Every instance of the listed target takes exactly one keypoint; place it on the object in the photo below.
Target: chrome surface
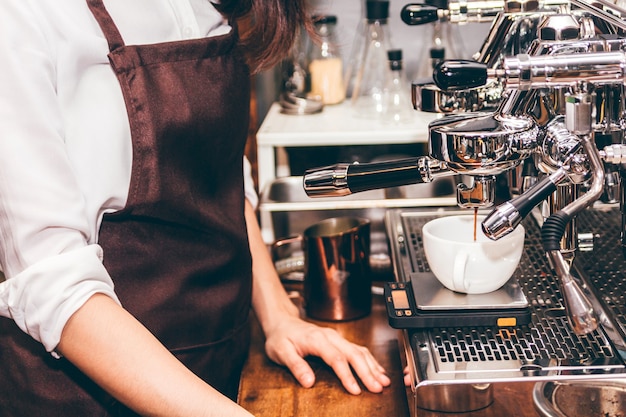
(455, 398)
(578, 308)
(426, 96)
(564, 195)
(545, 350)
(501, 221)
(431, 295)
(481, 193)
(332, 180)
(614, 154)
(531, 72)
(483, 144)
(344, 179)
(562, 75)
(611, 12)
(581, 399)
(507, 216)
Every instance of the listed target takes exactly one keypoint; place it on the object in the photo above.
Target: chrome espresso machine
(542, 104)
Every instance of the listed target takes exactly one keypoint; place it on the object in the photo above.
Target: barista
(129, 239)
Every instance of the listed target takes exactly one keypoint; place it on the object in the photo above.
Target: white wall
(411, 39)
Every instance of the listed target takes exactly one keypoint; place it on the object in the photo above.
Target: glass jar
(326, 67)
(397, 107)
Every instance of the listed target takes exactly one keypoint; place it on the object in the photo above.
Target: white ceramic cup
(467, 266)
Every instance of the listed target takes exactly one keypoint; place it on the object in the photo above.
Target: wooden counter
(269, 390)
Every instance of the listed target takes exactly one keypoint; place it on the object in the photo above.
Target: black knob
(459, 74)
(418, 14)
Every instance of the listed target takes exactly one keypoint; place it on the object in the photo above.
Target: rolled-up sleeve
(41, 298)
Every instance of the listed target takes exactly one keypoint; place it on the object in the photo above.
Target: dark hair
(268, 28)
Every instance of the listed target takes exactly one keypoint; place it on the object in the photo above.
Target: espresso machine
(541, 103)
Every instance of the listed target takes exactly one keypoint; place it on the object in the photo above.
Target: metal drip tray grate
(546, 347)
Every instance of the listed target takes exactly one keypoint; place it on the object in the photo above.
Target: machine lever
(505, 218)
(419, 14)
(460, 74)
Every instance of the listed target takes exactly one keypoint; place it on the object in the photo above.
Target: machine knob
(460, 74)
(419, 14)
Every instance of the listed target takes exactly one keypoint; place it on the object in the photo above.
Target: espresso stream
(475, 221)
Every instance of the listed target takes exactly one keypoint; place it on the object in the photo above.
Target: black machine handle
(460, 74)
(506, 217)
(376, 175)
(344, 179)
(525, 202)
(419, 14)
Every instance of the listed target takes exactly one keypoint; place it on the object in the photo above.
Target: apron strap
(112, 34)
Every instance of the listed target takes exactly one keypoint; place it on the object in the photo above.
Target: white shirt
(65, 147)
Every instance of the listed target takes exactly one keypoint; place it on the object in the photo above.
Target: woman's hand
(407, 376)
(289, 339)
(290, 342)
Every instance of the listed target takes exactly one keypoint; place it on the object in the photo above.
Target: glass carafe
(373, 70)
(397, 106)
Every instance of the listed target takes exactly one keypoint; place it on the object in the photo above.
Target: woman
(129, 239)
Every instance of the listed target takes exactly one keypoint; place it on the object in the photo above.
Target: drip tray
(545, 348)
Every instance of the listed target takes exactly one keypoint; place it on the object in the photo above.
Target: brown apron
(178, 252)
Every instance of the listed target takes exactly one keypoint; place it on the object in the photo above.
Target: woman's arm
(289, 339)
(111, 347)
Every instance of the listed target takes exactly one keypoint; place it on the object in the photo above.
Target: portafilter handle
(344, 178)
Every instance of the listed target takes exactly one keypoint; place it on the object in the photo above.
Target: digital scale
(418, 300)
(423, 302)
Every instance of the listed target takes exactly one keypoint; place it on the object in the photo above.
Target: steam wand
(578, 308)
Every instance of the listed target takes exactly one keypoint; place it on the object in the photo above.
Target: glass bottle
(444, 44)
(373, 70)
(397, 107)
(356, 50)
(325, 67)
